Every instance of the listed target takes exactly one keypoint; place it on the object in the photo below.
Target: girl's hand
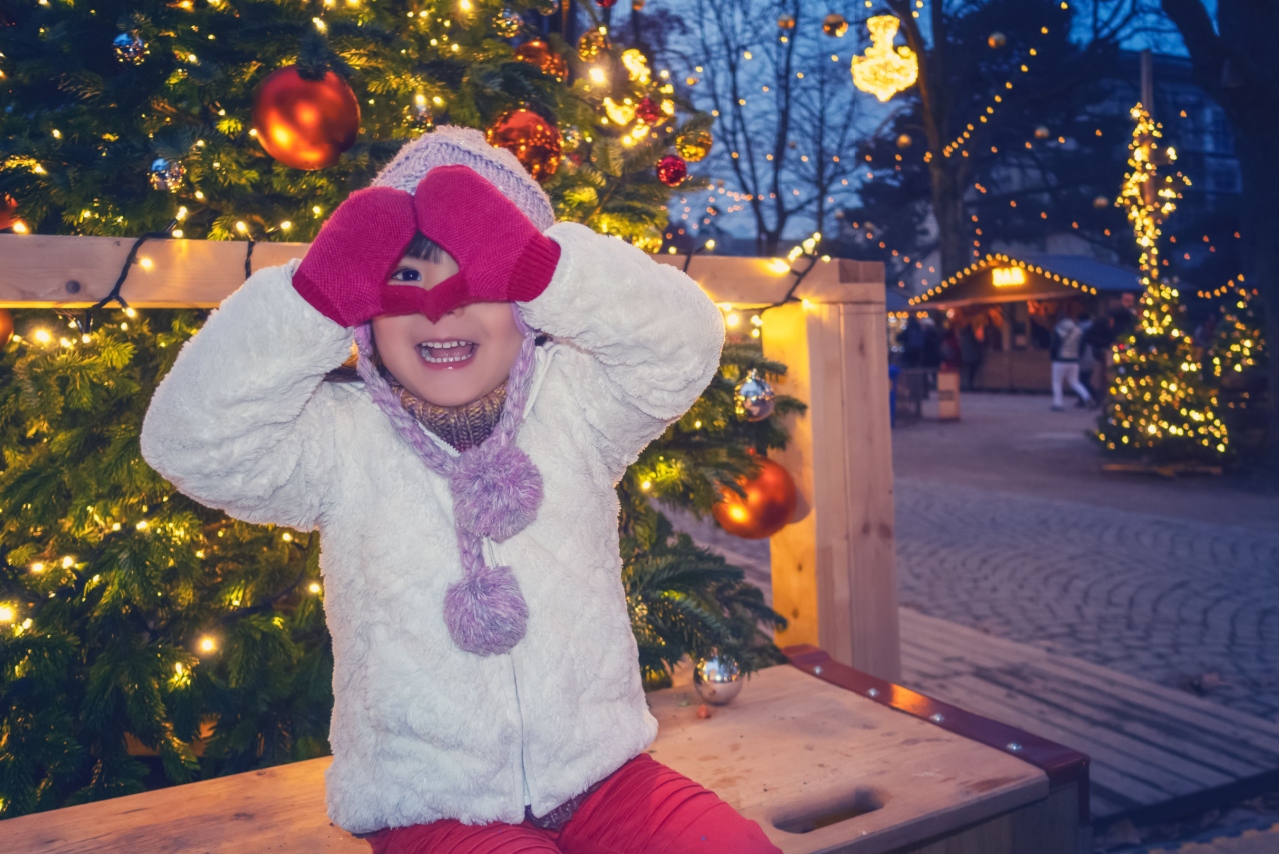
(501, 254)
(346, 269)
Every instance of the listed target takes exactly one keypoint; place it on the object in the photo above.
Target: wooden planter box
(825, 757)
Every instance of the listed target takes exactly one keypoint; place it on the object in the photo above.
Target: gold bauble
(592, 44)
(695, 145)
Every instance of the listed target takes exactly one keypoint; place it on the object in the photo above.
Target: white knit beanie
(449, 145)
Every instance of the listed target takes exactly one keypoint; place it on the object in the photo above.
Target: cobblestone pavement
(1184, 604)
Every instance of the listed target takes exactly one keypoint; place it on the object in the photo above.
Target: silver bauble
(508, 23)
(129, 47)
(421, 117)
(717, 679)
(754, 397)
(571, 138)
(167, 175)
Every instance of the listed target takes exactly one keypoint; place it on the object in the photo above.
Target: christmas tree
(123, 117)
(147, 640)
(1159, 407)
(1238, 355)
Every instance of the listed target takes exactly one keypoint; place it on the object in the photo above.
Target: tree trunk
(948, 210)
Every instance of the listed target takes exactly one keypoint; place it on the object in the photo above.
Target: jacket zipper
(525, 794)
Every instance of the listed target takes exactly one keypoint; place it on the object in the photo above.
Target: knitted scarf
(496, 494)
(463, 427)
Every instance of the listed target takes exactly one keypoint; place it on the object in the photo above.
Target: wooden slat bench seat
(823, 756)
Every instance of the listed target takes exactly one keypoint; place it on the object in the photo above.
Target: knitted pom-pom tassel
(496, 491)
(485, 612)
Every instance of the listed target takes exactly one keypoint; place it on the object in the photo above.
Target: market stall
(1002, 310)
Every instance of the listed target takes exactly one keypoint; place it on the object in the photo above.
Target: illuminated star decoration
(884, 70)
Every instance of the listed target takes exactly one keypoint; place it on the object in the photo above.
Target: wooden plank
(1149, 744)
(994, 651)
(789, 747)
(1103, 774)
(833, 568)
(793, 550)
(275, 809)
(36, 270)
(1220, 748)
(1035, 828)
(928, 780)
(1147, 725)
(46, 271)
(1160, 765)
(868, 481)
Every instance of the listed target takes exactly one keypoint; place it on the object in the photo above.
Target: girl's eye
(406, 274)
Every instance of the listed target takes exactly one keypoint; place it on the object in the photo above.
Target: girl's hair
(424, 248)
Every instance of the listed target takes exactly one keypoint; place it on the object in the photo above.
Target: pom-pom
(496, 491)
(486, 612)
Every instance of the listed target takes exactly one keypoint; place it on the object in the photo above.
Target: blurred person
(1067, 339)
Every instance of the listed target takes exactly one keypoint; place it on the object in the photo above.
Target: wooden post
(833, 569)
(834, 572)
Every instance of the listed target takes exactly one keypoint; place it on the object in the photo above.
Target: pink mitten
(345, 271)
(500, 253)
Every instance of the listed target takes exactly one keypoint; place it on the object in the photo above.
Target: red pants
(643, 807)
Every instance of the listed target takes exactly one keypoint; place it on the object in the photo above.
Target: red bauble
(533, 140)
(538, 53)
(768, 506)
(672, 170)
(306, 124)
(6, 327)
(606, 4)
(8, 207)
(648, 112)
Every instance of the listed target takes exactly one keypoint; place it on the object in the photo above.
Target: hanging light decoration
(835, 25)
(884, 70)
(636, 66)
(620, 112)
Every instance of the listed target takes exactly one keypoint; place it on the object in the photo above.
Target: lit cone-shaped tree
(1239, 365)
(147, 640)
(1159, 406)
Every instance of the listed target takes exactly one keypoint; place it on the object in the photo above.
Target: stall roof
(1004, 278)
(895, 301)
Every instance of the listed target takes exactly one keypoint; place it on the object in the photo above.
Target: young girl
(486, 689)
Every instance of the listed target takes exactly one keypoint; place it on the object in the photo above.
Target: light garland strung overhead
(884, 70)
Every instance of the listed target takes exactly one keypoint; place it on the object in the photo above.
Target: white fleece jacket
(422, 730)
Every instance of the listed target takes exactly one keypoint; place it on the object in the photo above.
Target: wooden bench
(826, 758)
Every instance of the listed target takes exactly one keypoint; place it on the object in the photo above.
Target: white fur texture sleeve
(642, 339)
(239, 423)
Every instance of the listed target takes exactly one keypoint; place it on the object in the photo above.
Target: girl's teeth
(434, 353)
